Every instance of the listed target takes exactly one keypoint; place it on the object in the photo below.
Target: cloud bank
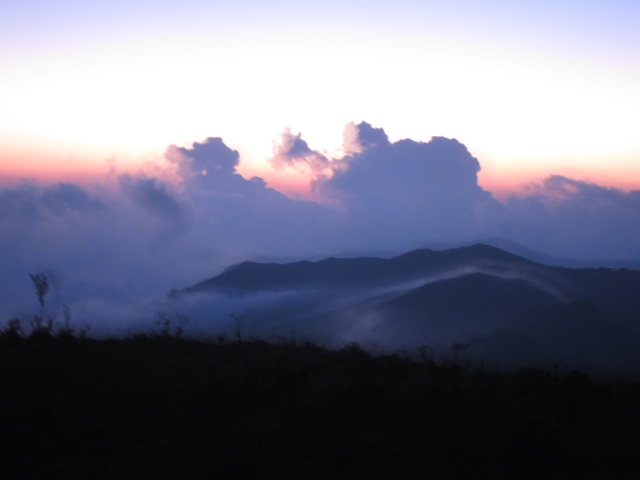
(409, 191)
(118, 246)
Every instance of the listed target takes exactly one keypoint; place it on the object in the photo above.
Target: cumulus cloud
(293, 152)
(362, 136)
(211, 157)
(237, 213)
(415, 191)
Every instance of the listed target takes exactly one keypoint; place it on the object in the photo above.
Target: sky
(532, 89)
(148, 145)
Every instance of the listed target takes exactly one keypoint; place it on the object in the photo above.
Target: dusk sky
(531, 88)
(147, 145)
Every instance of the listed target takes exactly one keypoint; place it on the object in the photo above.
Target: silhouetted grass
(156, 406)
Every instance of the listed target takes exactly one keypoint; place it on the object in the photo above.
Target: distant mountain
(508, 308)
(357, 273)
(546, 259)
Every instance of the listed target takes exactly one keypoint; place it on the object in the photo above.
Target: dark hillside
(470, 299)
(164, 408)
(616, 291)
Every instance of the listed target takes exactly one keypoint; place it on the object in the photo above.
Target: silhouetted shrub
(13, 330)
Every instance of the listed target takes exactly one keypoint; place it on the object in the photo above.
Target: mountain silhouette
(508, 308)
(351, 273)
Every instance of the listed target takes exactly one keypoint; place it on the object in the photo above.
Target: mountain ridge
(478, 295)
(251, 276)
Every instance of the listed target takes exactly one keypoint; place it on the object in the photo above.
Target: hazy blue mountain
(544, 258)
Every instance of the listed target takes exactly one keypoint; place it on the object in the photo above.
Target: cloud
(575, 219)
(414, 191)
(211, 166)
(64, 197)
(211, 157)
(244, 214)
(153, 196)
(29, 202)
(362, 136)
(293, 152)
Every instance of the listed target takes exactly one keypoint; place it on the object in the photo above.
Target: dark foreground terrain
(160, 407)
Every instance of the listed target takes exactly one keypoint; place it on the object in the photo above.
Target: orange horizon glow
(17, 166)
(503, 184)
(49, 161)
(32, 158)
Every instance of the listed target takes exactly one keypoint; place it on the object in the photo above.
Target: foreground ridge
(154, 406)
